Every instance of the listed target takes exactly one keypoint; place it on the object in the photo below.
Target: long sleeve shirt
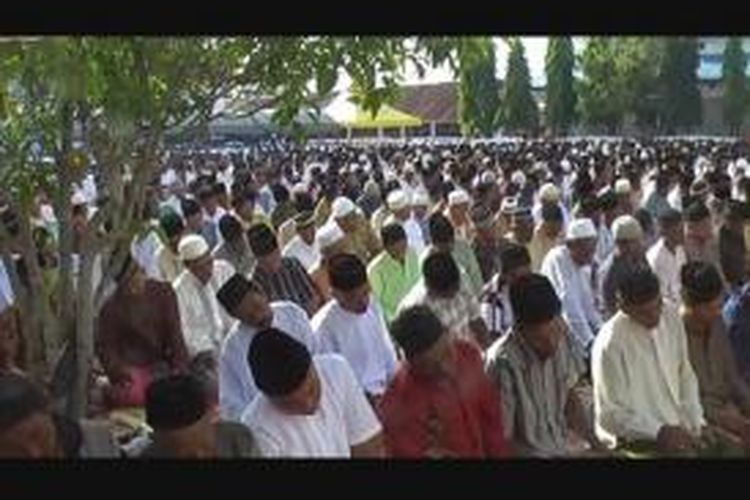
(576, 294)
(391, 280)
(236, 385)
(643, 379)
(459, 414)
(362, 339)
(666, 265)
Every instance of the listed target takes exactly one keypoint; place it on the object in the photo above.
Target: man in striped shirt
(281, 278)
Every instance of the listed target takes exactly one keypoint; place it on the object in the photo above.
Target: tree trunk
(84, 337)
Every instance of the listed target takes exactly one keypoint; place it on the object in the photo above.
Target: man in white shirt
(566, 266)
(204, 321)
(246, 302)
(352, 325)
(303, 246)
(398, 204)
(308, 407)
(667, 256)
(646, 397)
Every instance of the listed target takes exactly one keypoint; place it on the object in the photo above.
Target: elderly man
(667, 256)
(628, 254)
(547, 234)
(440, 403)
(458, 213)
(646, 395)
(303, 246)
(725, 396)
(538, 375)
(442, 290)
(204, 322)
(394, 272)
(566, 267)
(246, 302)
(399, 205)
(363, 241)
(352, 325)
(308, 406)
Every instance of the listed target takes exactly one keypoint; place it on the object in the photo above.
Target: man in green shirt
(394, 271)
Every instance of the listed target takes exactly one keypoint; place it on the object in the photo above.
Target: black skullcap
(230, 227)
(701, 282)
(233, 291)
(638, 286)
(20, 398)
(440, 228)
(262, 240)
(346, 272)
(416, 329)
(278, 362)
(392, 233)
(175, 402)
(514, 256)
(190, 207)
(697, 211)
(171, 223)
(551, 212)
(668, 217)
(441, 272)
(534, 300)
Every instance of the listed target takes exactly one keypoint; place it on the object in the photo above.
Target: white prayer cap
(78, 198)
(486, 160)
(328, 235)
(518, 177)
(299, 187)
(397, 200)
(354, 167)
(458, 197)
(549, 192)
(509, 205)
(644, 155)
(622, 186)
(626, 227)
(487, 177)
(565, 165)
(191, 247)
(580, 229)
(742, 163)
(420, 199)
(341, 207)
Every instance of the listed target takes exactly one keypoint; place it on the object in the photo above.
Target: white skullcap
(509, 205)
(565, 165)
(328, 235)
(191, 247)
(397, 200)
(486, 160)
(487, 177)
(299, 187)
(644, 155)
(420, 199)
(580, 229)
(622, 186)
(626, 227)
(549, 192)
(78, 198)
(341, 207)
(518, 177)
(457, 197)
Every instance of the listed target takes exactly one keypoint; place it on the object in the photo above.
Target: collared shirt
(236, 385)
(540, 246)
(240, 256)
(574, 288)
(667, 265)
(362, 339)
(291, 282)
(737, 318)
(460, 414)
(718, 379)
(344, 418)
(204, 320)
(455, 313)
(614, 269)
(534, 392)
(643, 379)
(308, 255)
(391, 280)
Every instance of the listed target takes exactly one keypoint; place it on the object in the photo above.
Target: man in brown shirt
(725, 396)
(139, 335)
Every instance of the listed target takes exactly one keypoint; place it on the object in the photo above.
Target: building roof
(434, 102)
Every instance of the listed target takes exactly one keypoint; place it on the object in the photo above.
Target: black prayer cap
(514, 256)
(20, 398)
(262, 240)
(279, 363)
(534, 300)
(416, 329)
(638, 286)
(701, 282)
(233, 291)
(697, 211)
(346, 272)
(175, 402)
(171, 223)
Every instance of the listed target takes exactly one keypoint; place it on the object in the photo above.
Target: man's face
(582, 250)
(307, 234)
(397, 250)
(523, 227)
(202, 267)
(356, 301)
(402, 214)
(9, 339)
(304, 400)
(348, 224)
(460, 211)
(437, 361)
(630, 248)
(35, 437)
(196, 441)
(544, 338)
(210, 204)
(708, 312)
(647, 314)
(255, 310)
(552, 228)
(675, 234)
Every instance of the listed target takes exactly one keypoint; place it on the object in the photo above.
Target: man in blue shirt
(737, 319)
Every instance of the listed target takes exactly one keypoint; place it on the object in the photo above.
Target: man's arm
(372, 448)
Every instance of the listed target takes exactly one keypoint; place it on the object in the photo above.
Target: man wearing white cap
(458, 213)
(420, 205)
(623, 192)
(364, 243)
(330, 240)
(628, 254)
(303, 246)
(204, 321)
(566, 267)
(399, 205)
(549, 194)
